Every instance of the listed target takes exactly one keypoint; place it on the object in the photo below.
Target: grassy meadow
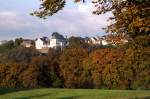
(47, 93)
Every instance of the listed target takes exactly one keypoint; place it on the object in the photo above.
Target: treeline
(8, 45)
(76, 67)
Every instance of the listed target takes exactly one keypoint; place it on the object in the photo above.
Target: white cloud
(8, 14)
(80, 21)
(70, 21)
(12, 20)
(85, 7)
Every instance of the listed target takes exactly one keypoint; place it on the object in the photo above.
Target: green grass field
(47, 93)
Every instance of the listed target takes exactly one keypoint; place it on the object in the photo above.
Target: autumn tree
(37, 74)
(56, 77)
(10, 75)
(72, 67)
(131, 18)
(105, 67)
(50, 7)
(139, 62)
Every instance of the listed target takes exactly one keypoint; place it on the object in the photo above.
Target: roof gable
(56, 35)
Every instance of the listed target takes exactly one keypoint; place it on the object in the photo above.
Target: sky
(73, 20)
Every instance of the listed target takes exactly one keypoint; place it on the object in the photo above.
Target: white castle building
(55, 41)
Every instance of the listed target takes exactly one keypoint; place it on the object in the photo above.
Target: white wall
(39, 44)
(56, 42)
(104, 42)
(53, 43)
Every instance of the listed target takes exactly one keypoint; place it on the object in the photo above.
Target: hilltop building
(96, 40)
(55, 41)
(27, 43)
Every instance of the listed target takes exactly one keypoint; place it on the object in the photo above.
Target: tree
(138, 61)
(130, 18)
(21, 55)
(10, 75)
(50, 7)
(37, 74)
(72, 67)
(77, 42)
(105, 67)
(55, 74)
(18, 41)
(7, 46)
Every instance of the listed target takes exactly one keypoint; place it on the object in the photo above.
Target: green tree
(18, 41)
(7, 46)
(76, 42)
(21, 55)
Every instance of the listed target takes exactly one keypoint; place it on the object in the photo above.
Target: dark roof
(45, 39)
(95, 38)
(56, 35)
(86, 38)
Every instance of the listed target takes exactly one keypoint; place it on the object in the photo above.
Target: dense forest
(78, 66)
